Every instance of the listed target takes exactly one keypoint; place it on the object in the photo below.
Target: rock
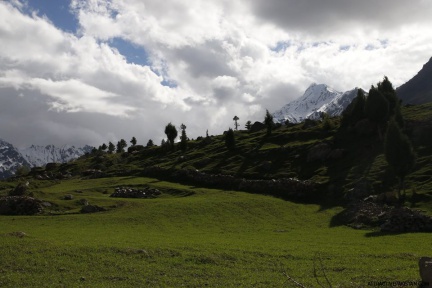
(68, 197)
(19, 190)
(405, 219)
(83, 202)
(92, 209)
(20, 205)
(425, 267)
(125, 192)
(18, 234)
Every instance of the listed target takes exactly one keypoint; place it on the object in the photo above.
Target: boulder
(19, 190)
(91, 209)
(20, 205)
(425, 267)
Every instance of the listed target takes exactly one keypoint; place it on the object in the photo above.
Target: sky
(87, 72)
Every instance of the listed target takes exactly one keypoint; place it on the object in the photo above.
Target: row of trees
(382, 108)
(120, 147)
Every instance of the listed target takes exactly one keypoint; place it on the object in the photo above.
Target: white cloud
(224, 58)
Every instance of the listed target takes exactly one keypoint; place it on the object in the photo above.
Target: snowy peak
(316, 99)
(10, 159)
(40, 155)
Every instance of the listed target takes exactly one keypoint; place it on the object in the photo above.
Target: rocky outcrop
(126, 192)
(20, 205)
(368, 213)
(91, 209)
(405, 219)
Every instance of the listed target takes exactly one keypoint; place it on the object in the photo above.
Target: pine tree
(150, 143)
(377, 109)
(171, 132)
(111, 148)
(248, 125)
(386, 88)
(355, 111)
(399, 153)
(183, 138)
(235, 122)
(104, 147)
(268, 121)
(133, 141)
(121, 145)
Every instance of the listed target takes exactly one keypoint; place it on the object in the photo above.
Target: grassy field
(193, 237)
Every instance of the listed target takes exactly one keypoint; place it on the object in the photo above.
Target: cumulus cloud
(206, 62)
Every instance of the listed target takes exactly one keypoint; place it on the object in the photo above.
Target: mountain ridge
(317, 98)
(418, 90)
(12, 158)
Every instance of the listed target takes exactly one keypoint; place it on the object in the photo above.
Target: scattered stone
(368, 213)
(405, 219)
(20, 205)
(18, 234)
(68, 197)
(83, 202)
(19, 190)
(126, 192)
(92, 209)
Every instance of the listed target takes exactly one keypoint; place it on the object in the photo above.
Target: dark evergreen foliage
(171, 132)
(183, 138)
(399, 152)
(248, 125)
(268, 121)
(121, 145)
(229, 139)
(111, 148)
(377, 109)
(355, 111)
(150, 143)
(133, 141)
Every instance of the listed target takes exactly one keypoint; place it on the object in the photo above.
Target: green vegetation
(196, 235)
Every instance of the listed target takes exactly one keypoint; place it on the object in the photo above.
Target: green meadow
(193, 237)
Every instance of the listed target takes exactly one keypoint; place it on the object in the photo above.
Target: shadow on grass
(382, 234)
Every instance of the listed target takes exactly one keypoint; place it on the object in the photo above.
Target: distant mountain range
(12, 158)
(322, 98)
(317, 98)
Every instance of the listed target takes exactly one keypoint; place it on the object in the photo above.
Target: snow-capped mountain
(10, 160)
(316, 99)
(41, 155)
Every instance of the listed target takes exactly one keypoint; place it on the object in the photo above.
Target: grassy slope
(195, 236)
(284, 154)
(211, 237)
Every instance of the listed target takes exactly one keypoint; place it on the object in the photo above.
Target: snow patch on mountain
(38, 155)
(317, 98)
(10, 160)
